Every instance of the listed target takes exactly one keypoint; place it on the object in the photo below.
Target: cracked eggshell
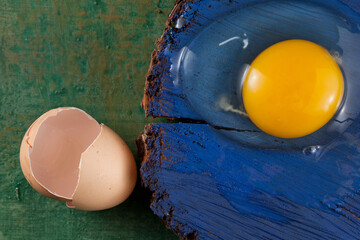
(28, 142)
(68, 156)
(108, 175)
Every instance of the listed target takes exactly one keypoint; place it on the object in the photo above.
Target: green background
(91, 55)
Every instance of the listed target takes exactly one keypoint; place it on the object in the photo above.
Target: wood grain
(207, 185)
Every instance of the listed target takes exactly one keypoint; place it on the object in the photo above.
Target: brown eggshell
(103, 175)
(27, 142)
(107, 173)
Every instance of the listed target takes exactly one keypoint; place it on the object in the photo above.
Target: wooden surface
(211, 188)
(207, 184)
(89, 54)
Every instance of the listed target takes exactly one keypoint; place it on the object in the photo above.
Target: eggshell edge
(26, 144)
(108, 173)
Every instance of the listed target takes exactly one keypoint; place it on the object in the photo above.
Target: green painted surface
(91, 55)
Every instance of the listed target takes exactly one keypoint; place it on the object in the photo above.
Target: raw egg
(68, 156)
(292, 89)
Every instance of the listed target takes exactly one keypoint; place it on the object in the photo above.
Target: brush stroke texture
(206, 185)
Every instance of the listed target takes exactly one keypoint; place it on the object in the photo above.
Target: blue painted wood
(195, 71)
(214, 188)
(225, 180)
(163, 97)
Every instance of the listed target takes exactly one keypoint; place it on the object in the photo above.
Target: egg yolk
(292, 89)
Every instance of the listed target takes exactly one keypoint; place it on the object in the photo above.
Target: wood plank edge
(145, 144)
(155, 75)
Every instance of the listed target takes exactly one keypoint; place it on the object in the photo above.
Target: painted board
(215, 178)
(208, 187)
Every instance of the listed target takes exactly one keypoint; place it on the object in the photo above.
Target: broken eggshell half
(67, 155)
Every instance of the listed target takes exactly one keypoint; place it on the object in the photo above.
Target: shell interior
(58, 145)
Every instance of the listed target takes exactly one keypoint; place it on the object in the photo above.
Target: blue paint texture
(223, 178)
(212, 65)
(163, 97)
(222, 190)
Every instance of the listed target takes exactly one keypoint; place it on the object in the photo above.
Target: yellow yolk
(292, 89)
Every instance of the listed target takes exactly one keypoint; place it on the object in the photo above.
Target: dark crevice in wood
(187, 120)
(351, 213)
(234, 129)
(191, 236)
(344, 209)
